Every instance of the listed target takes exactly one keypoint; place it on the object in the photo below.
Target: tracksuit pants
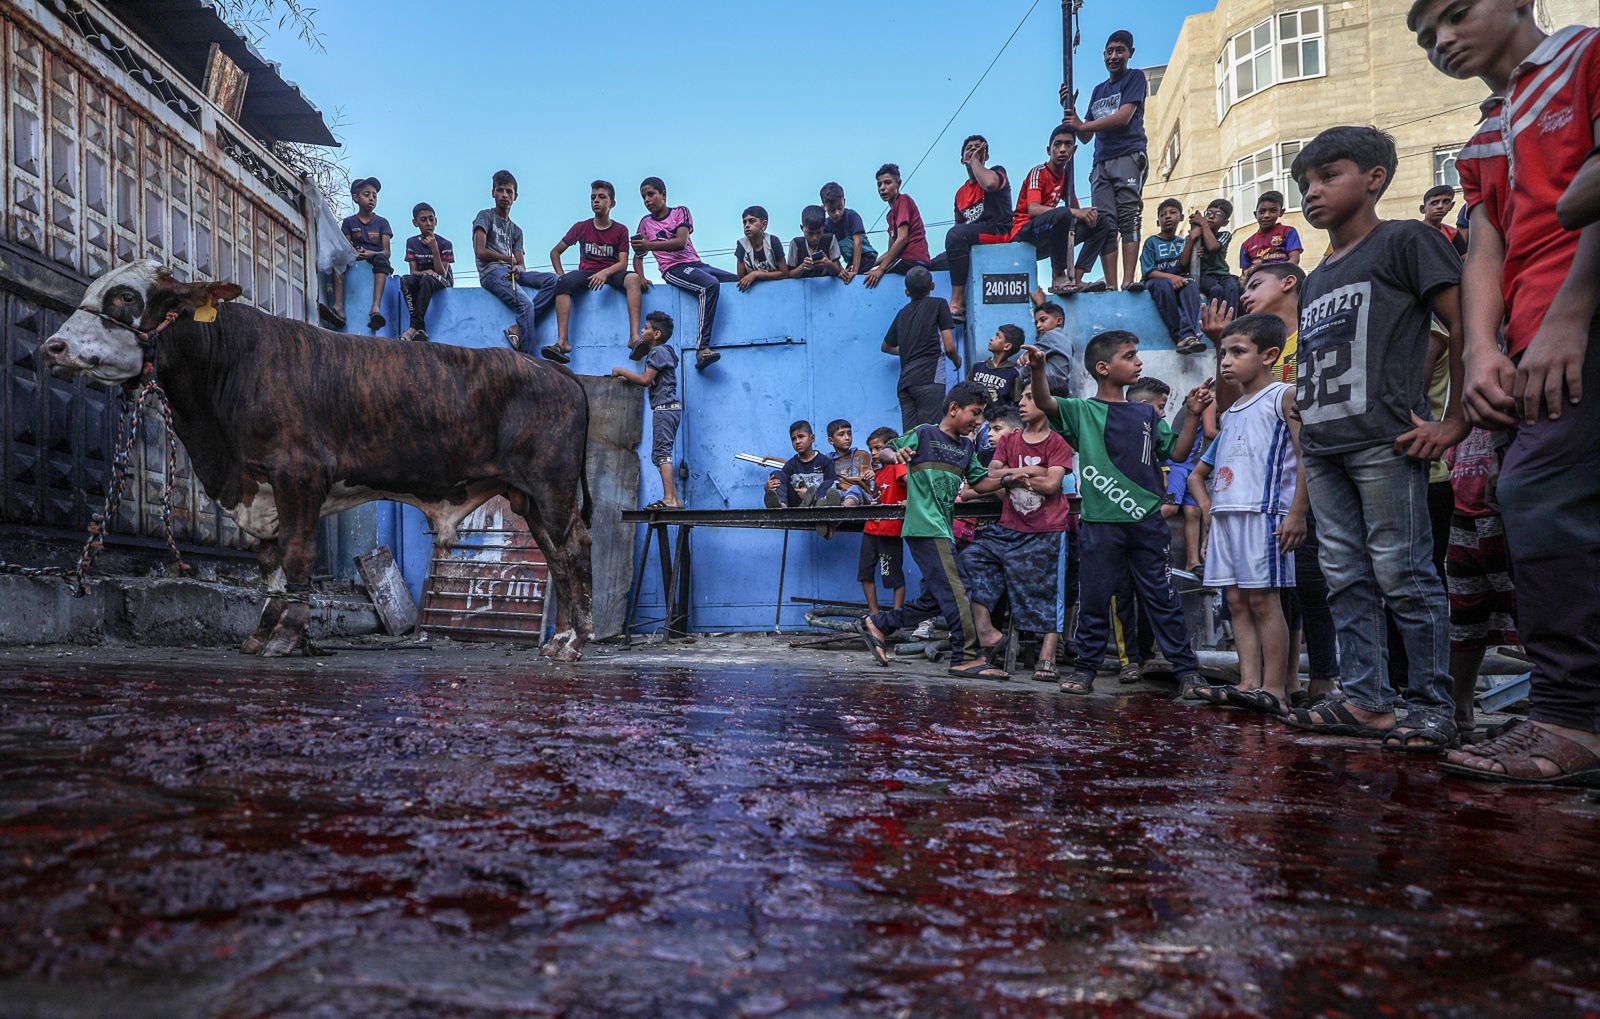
(1057, 231)
(704, 281)
(1550, 497)
(1108, 552)
(942, 594)
(418, 291)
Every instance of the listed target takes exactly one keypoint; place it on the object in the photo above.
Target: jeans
(417, 291)
(1220, 285)
(1179, 309)
(921, 405)
(1550, 497)
(1376, 549)
(497, 280)
(958, 244)
(705, 282)
(1058, 231)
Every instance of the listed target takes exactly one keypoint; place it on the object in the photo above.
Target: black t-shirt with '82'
(1364, 337)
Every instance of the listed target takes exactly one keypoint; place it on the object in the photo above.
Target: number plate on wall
(1005, 288)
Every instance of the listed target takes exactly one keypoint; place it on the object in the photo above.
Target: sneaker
(705, 359)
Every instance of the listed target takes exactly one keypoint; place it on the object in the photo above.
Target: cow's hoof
(253, 644)
(279, 647)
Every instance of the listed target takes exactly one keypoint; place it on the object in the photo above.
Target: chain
(130, 418)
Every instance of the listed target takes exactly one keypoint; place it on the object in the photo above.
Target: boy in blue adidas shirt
(1165, 275)
(1121, 446)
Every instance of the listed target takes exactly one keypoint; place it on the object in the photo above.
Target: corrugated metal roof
(182, 31)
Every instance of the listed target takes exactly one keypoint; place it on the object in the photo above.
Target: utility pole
(1069, 43)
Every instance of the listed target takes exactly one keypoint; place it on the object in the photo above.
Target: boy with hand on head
(758, 255)
(1365, 358)
(1120, 445)
(1255, 512)
(816, 251)
(846, 227)
(665, 230)
(882, 554)
(1273, 241)
(660, 376)
(602, 261)
(497, 244)
(982, 216)
(1164, 267)
(1206, 253)
(852, 466)
(1116, 123)
(370, 234)
(921, 337)
(908, 239)
(429, 258)
(808, 478)
(1025, 555)
(938, 458)
(1537, 280)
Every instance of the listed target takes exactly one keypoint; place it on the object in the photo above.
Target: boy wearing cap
(1116, 123)
(369, 234)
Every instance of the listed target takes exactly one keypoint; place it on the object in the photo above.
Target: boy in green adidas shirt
(1121, 446)
(940, 458)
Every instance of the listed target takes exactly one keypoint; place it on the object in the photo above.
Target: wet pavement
(704, 832)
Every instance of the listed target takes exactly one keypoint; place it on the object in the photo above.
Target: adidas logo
(1108, 487)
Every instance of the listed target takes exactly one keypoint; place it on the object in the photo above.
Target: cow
(286, 423)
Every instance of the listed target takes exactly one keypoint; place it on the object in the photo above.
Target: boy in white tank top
(1254, 510)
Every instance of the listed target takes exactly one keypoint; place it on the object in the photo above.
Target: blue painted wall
(791, 349)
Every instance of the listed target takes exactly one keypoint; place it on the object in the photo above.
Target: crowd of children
(1396, 463)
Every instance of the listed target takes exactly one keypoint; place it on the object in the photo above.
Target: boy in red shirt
(1535, 280)
(882, 554)
(908, 238)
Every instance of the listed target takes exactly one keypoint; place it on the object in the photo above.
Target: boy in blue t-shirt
(845, 224)
(1116, 123)
(429, 257)
(1175, 292)
(370, 234)
(1120, 445)
(660, 377)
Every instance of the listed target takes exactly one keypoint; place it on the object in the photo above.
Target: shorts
(1477, 570)
(664, 431)
(577, 281)
(882, 559)
(1243, 552)
(1117, 185)
(1178, 484)
(381, 266)
(862, 498)
(1029, 566)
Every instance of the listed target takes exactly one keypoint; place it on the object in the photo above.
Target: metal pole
(783, 565)
(1069, 42)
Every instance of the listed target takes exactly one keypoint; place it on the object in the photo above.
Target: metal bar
(831, 602)
(1507, 693)
(783, 567)
(669, 577)
(680, 627)
(471, 633)
(638, 584)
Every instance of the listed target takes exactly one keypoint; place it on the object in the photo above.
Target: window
(1285, 47)
(1444, 167)
(1170, 154)
(1265, 169)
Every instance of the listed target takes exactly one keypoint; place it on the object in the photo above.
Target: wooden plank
(387, 588)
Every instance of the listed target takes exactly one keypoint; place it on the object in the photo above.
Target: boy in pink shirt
(665, 230)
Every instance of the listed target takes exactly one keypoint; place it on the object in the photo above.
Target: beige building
(1252, 80)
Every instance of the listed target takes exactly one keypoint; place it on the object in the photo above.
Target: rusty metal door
(493, 585)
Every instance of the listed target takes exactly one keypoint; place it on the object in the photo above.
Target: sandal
(1095, 287)
(1189, 688)
(978, 668)
(1260, 700)
(1045, 671)
(874, 643)
(1079, 684)
(555, 353)
(637, 351)
(1425, 734)
(331, 315)
(1333, 718)
(514, 338)
(1215, 694)
(1518, 750)
(705, 359)
(1131, 673)
(1191, 345)
(1064, 289)
(376, 321)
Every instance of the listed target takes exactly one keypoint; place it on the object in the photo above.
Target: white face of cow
(87, 344)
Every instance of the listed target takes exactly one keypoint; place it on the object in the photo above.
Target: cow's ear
(202, 296)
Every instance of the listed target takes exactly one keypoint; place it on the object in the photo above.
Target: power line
(936, 138)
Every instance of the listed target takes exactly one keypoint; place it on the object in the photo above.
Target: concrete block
(172, 612)
(43, 611)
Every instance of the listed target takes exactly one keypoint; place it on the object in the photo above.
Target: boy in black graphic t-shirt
(1365, 356)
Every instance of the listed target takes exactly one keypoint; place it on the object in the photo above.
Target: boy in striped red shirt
(1534, 279)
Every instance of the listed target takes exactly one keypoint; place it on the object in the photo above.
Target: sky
(731, 103)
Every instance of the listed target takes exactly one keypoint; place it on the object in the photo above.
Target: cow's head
(105, 338)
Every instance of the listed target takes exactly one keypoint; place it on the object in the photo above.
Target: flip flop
(514, 339)
(1215, 695)
(978, 668)
(1263, 701)
(873, 643)
(555, 353)
(637, 351)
